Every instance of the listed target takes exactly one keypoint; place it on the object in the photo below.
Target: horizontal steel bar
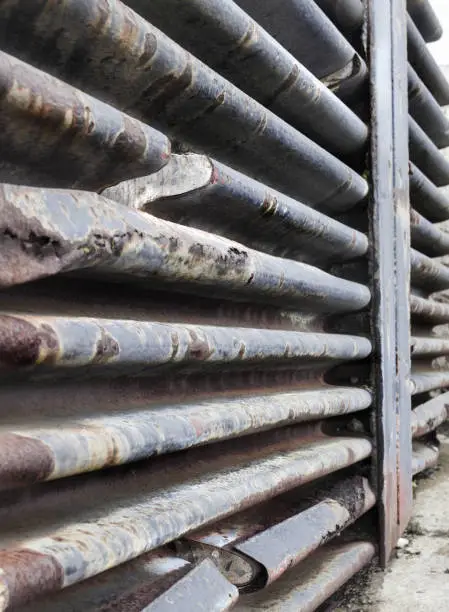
(426, 111)
(423, 380)
(430, 415)
(428, 237)
(230, 42)
(429, 347)
(50, 231)
(67, 137)
(426, 155)
(425, 18)
(70, 522)
(197, 191)
(428, 311)
(47, 449)
(425, 64)
(309, 585)
(427, 273)
(305, 31)
(424, 457)
(152, 77)
(426, 198)
(347, 15)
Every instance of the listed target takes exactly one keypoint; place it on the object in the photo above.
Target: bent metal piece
(198, 191)
(153, 78)
(45, 232)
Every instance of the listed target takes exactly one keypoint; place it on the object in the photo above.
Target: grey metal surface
(424, 457)
(426, 198)
(425, 154)
(427, 237)
(430, 415)
(425, 18)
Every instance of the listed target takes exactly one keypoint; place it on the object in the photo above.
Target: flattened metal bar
(197, 191)
(43, 232)
(67, 137)
(428, 237)
(425, 154)
(230, 42)
(71, 522)
(390, 227)
(307, 586)
(426, 110)
(424, 457)
(425, 19)
(426, 198)
(150, 76)
(430, 415)
(48, 449)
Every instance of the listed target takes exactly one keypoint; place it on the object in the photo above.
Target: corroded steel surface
(49, 231)
(307, 586)
(426, 347)
(424, 457)
(198, 191)
(428, 416)
(72, 139)
(429, 311)
(47, 451)
(79, 528)
(229, 41)
(427, 379)
(150, 76)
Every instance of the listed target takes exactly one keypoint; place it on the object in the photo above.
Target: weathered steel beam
(427, 347)
(426, 111)
(428, 311)
(425, 64)
(45, 451)
(197, 191)
(426, 155)
(77, 529)
(424, 457)
(306, 587)
(427, 237)
(426, 198)
(49, 231)
(427, 379)
(68, 137)
(430, 415)
(230, 42)
(139, 69)
(428, 273)
(425, 19)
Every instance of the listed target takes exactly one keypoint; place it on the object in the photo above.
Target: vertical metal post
(390, 240)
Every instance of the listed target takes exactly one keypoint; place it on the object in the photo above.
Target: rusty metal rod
(67, 137)
(230, 42)
(428, 273)
(425, 19)
(425, 154)
(430, 415)
(424, 457)
(68, 230)
(427, 237)
(77, 529)
(309, 585)
(197, 191)
(426, 198)
(427, 347)
(45, 451)
(425, 65)
(427, 379)
(426, 111)
(150, 76)
(428, 311)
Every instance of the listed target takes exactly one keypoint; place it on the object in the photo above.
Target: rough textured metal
(428, 237)
(427, 273)
(150, 76)
(426, 198)
(426, 110)
(230, 42)
(425, 64)
(426, 379)
(346, 14)
(390, 225)
(197, 191)
(80, 527)
(50, 448)
(425, 19)
(430, 415)
(429, 347)
(428, 311)
(306, 587)
(424, 457)
(425, 154)
(44, 232)
(67, 137)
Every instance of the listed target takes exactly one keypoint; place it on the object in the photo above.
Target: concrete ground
(418, 578)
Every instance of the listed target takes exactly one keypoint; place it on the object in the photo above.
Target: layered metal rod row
(197, 201)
